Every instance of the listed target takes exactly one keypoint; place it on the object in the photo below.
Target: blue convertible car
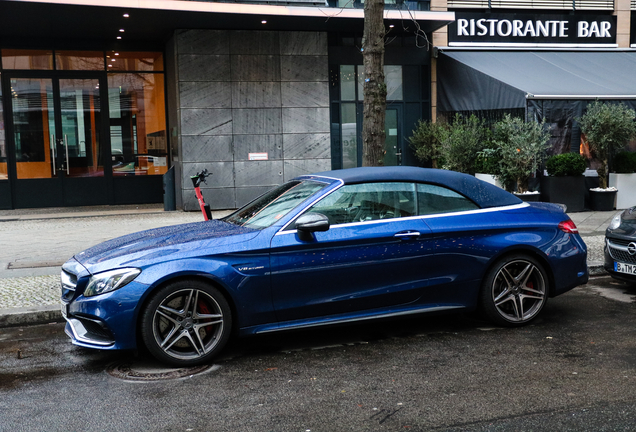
(327, 248)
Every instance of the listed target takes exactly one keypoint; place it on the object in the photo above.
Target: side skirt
(342, 319)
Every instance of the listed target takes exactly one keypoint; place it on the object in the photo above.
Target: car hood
(627, 229)
(145, 248)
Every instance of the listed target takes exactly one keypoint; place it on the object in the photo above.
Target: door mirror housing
(310, 223)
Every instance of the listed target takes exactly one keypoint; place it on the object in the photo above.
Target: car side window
(433, 199)
(368, 201)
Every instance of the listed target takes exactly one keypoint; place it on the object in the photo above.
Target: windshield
(275, 204)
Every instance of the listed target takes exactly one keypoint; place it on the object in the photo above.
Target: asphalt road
(572, 370)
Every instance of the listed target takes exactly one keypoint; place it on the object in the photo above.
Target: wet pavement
(36, 242)
(573, 369)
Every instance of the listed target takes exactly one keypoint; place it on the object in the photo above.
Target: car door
(371, 257)
(461, 231)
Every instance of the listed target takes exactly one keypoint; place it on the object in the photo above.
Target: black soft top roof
(483, 194)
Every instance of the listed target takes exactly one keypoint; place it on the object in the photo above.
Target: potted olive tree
(426, 142)
(608, 128)
(453, 146)
(461, 141)
(487, 166)
(624, 179)
(522, 148)
(565, 182)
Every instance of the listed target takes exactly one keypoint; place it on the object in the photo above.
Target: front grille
(621, 242)
(618, 251)
(69, 284)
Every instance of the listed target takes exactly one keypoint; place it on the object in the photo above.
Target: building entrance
(82, 128)
(58, 141)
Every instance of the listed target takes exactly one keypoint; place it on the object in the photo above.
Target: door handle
(66, 145)
(407, 235)
(54, 144)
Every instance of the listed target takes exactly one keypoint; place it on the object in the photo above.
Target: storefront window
(349, 135)
(33, 127)
(81, 123)
(347, 82)
(393, 79)
(3, 143)
(27, 59)
(79, 60)
(134, 61)
(137, 124)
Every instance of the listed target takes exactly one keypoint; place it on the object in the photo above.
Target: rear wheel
(514, 291)
(186, 323)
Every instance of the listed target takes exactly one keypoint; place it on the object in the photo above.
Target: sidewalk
(36, 242)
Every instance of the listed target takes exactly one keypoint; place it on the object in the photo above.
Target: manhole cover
(148, 371)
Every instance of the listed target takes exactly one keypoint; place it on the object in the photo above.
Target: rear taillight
(569, 227)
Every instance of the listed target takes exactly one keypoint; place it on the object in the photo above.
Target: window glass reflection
(79, 60)
(437, 199)
(33, 127)
(27, 59)
(134, 61)
(367, 202)
(392, 78)
(81, 123)
(3, 143)
(137, 124)
(347, 82)
(349, 135)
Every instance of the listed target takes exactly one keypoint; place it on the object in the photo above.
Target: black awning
(478, 80)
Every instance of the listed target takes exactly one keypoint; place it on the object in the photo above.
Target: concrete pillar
(440, 39)
(622, 11)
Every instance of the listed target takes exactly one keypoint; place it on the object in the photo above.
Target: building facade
(100, 100)
(545, 60)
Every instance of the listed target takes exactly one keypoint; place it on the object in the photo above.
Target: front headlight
(616, 222)
(111, 280)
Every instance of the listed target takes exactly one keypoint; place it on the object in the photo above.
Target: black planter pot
(564, 190)
(602, 201)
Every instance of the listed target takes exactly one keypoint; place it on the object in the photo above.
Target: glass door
(57, 141)
(34, 131)
(81, 117)
(392, 147)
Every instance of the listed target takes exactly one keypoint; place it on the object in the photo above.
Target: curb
(31, 315)
(596, 269)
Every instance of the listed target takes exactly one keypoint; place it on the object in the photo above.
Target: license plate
(625, 268)
(64, 309)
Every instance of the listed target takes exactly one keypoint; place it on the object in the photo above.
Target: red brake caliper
(204, 309)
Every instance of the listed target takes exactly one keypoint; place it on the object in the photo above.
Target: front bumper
(614, 252)
(107, 321)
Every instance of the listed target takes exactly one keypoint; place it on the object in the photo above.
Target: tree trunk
(374, 88)
(602, 173)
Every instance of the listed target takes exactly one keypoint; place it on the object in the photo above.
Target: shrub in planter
(566, 164)
(624, 179)
(565, 183)
(487, 166)
(461, 142)
(608, 128)
(522, 147)
(426, 142)
(625, 162)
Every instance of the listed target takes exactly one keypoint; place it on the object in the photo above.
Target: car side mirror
(310, 223)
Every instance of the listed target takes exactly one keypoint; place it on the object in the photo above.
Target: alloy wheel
(518, 291)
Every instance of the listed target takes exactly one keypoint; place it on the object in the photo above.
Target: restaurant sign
(532, 30)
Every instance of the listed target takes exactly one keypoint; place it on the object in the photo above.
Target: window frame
(289, 227)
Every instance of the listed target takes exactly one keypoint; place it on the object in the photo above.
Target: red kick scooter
(196, 181)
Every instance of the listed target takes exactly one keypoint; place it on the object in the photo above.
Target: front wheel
(186, 323)
(514, 291)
